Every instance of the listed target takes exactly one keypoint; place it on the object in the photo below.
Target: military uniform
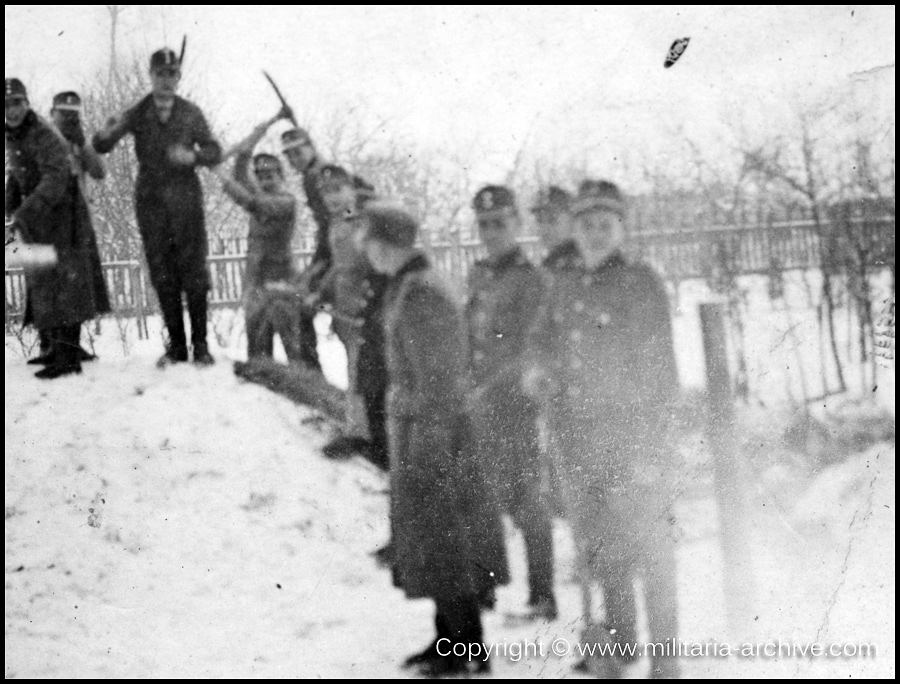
(550, 209)
(499, 311)
(561, 257)
(169, 209)
(270, 298)
(604, 341)
(446, 529)
(321, 258)
(42, 198)
(371, 366)
(85, 161)
(371, 377)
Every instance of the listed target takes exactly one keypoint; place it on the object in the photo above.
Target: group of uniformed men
(554, 378)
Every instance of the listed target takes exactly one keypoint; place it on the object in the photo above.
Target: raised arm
(246, 194)
(117, 127)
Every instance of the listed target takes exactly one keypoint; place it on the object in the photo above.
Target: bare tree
(804, 179)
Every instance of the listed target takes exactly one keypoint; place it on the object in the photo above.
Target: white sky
(481, 82)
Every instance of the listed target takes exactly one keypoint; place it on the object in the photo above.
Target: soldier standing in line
(448, 536)
(270, 300)
(66, 116)
(340, 290)
(353, 290)
(171, 138)
(551, 212)
(503, 289)
(605, 370)
(42, 199)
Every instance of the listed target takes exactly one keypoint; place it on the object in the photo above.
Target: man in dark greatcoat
(171, 138)
(66, 116)
(42, 199)
(446, 528)
(503, 289)
(604, 366)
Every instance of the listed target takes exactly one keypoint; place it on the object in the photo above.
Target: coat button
(576, 363)
(578, 306)
(575, 335)
(605, 318)
(478, 356)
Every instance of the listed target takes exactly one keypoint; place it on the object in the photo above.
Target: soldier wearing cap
(171, 139)
(503, 289)
(605, 370)
(350, 289)
(66, 115)
(42, 199)
(447, 533)
(552, 212)
(271, 303)
(299, 150)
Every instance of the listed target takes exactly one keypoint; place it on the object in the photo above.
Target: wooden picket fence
(677, 256)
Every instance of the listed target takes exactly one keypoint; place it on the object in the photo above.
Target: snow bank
(182, 523)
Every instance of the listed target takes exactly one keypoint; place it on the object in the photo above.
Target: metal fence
(677, 256)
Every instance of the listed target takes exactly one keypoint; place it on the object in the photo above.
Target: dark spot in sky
(60, 33)
(278, 585)
(20, 568)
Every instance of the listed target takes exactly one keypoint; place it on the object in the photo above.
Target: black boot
(202, 357)
(45, 352)
(430, 652)
(65, 354)
(85, 355)
(198, 308)
(174, 354)
(461, 618)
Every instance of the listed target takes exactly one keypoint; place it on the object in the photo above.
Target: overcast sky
(484, 81)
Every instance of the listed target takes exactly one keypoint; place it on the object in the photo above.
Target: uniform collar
(510, 259)
(614, 260)
(22, 130)
(417, 263)
(565, 252)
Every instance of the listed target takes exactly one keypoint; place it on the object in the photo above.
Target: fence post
(735, 533)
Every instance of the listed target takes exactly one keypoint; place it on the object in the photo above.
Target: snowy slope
(182, 523)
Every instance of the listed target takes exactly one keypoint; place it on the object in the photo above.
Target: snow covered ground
(182, 523)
